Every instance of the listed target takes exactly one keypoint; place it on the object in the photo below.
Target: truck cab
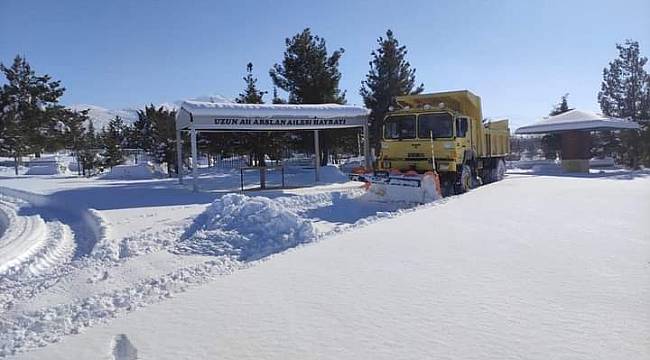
(408, 138)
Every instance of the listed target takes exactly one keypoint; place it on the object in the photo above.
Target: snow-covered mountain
(100, 116)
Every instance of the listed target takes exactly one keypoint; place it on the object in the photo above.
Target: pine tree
(390, 75)
(164, 135)
(310, 76)
(72, 134)
(625, 93)
(90, 135)
(561, 107)
(625, 82)
(276, 98)
(307, 72)
(28, 103)
(159, 126)
(113, 139)
(251, 94)
(262, 143)
(88, 153)
(141, 134)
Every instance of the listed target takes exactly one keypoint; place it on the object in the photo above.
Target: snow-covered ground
(536, 266)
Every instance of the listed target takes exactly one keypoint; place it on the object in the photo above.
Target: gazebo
(199, 116)
(574, 128)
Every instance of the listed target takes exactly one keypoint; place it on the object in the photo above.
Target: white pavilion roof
(576, 120)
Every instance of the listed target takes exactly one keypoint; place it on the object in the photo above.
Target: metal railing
(262, 171)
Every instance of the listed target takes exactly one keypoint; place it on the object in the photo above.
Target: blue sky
(519, 56)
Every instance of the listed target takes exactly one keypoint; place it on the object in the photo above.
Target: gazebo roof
(576, 120)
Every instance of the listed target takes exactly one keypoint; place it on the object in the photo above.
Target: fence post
(262, 177)
(241, 178)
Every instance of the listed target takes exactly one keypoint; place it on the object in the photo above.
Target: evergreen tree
(276, 98)
(625, 93)
(160, 124)
(28, 103)
(561, 107)
(310, 76)
(307, 72)
(390, 75)
(551, 145)
(90, 135)
(164, 134)
(113, 139)
(624, 86)
(141, 134)
(88, 153)
(262, 143)
(551, 142)
(73, 132)
(251, 94)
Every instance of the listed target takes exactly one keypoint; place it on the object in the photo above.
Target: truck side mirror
(461, 127)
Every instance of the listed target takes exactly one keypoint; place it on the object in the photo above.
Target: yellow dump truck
(446, 129)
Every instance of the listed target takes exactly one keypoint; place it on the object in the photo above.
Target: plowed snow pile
(332, 174)
(248, 227)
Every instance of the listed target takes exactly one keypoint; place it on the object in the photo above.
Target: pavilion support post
(576, 152)
(179, 157)
(366, 146)
(195, 174)
(316, 156)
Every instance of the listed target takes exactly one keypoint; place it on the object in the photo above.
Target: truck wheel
(496, 172)
(464, 182)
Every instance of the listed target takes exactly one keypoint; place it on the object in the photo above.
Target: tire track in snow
(41, 242)
(30, 246)
(85, 224)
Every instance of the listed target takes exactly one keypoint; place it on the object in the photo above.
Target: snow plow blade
(409, 188)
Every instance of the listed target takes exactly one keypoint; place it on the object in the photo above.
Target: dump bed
(497, 138)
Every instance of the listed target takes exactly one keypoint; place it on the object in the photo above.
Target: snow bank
(51, 165)
(45, 169)
(248, 227)
(10, 171)
(105, 248)
(142, 171)
(332, 174)
(348, 165)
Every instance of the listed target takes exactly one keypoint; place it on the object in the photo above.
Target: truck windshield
(399, 127)
(439, 124)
